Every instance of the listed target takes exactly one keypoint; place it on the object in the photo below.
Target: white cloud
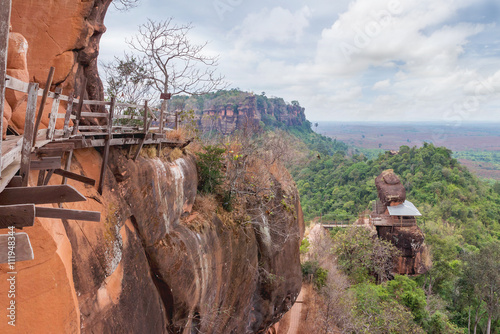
(275, 25)
(379, 85)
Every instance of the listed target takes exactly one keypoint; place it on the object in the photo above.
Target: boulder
(390, 190)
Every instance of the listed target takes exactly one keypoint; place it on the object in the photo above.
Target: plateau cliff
(226, 111)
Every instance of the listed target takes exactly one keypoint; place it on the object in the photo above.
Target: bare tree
(126, 79)
(174, 64)
(124, 5)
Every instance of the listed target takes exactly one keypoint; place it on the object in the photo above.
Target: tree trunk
(488, 328)
(468, 323)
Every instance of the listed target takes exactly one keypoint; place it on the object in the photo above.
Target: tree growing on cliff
(126, 80)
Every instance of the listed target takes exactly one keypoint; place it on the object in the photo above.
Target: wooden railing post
(46, 90)
(162, 114)
(67, 117)
(111, 115)
(83, 89)
(53, 115)
(5, 6)
(29, 127)
(145, 119)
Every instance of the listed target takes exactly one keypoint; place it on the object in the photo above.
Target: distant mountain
(228, 110)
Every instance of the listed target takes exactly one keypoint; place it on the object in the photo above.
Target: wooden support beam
(29, 125)
(48, 176)
(46, 163)
(68, 165)
(5, 6)
(69, 109)
(146, 129)
(41, 195)
(93, 216)
(46, 90)
(76, 122)
(73, 176)
(23, 250)
(19, 216)
(55, 149)
(41, 177)
(106, 146)
(53, 114)
(141, 144)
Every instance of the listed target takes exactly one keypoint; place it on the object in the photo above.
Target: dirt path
(295, 313)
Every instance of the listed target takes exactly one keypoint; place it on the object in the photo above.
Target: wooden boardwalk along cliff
(49, 151)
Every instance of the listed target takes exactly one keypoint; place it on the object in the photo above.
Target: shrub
(210, 166)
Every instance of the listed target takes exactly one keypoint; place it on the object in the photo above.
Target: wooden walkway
(50, 151)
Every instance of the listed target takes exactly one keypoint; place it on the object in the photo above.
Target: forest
(459, 294)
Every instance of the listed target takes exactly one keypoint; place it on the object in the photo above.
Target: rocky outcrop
(155, 263)
(410, 242)
(390, 189)
(62, 33)
(409, 239)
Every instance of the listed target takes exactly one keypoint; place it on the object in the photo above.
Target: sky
(361, 60)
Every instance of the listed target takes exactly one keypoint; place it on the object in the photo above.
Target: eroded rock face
(147, 268)
(410, 241)
(64, 34)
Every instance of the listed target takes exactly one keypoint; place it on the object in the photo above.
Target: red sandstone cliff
(150, 266)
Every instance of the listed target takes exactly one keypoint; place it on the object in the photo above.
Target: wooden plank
(23, 250)
(76, 122)
(29, 125)
(74, 176)
(19, 216)
(5, 6)
(94, 114)
(96, 103)
(55, 149)
(92, 127)
(67, 116)
(40, 195)
(46, 163)
(53, 115)
(15, 182)
(9, 172)
(16, 84)
(93, 216)
(128, 105)
(46, 90)
(14, 152)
